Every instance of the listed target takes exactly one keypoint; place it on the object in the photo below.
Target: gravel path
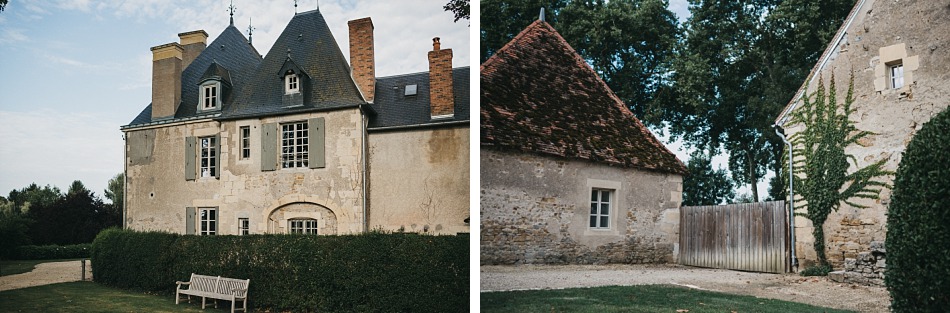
(812, 290)
(45, 274)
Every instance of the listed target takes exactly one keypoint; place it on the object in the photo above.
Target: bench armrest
(183, 283)
(239, 292)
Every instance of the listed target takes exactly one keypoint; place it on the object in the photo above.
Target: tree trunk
(753, 180)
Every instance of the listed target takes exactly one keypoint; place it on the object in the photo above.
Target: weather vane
(231, 8)
(250, 30)
(295, 7)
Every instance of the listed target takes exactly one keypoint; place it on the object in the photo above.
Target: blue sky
(72, 72)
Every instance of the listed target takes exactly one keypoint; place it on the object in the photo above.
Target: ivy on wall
(821, 175)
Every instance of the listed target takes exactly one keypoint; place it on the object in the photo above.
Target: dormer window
(291, 83)
(209, 97)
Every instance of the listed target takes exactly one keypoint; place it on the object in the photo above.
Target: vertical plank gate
(744, 236)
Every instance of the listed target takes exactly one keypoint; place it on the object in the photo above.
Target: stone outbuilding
(299, 140)
(568, 173)
(898, 54)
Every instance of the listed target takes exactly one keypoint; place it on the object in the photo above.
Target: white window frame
(207, 221)
(245, 142)
(244, 226)
(207, 168)
(295, 145)
(302, 226)
(600, 208)
(896, 75)
(291, 83)
(210, 95)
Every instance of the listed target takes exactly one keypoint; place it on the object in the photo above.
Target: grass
(650, 298)
(13, 267)
(91, 297)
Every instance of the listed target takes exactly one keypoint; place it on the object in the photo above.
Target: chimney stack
(441, 96)
(166, 80)
(362, 62)
(192, 43)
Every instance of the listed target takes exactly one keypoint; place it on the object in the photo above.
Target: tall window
(208, 221)
(291, 83)
(307, 226)
(244, 226)
(208, 167)
(294, 145)
(209, 97)
(245, 142)
(897, 75)
(600, 208)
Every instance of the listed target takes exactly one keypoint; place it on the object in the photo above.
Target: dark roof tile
(395, 109)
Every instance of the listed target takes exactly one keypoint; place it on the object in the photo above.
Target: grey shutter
(217, 219)
(270, 145)
(190, 171)
(317, 142)
(190, 220)
(217, 156)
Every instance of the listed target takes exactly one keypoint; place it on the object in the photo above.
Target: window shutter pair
(271, 145)
(191, 170)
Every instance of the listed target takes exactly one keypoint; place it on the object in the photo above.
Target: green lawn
(92, 297)
(13, 267)
(651, 298)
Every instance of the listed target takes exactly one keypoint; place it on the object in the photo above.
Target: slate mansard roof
(306, 43)
(539, 96)
(396, 109)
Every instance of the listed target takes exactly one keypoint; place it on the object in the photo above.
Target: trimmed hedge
(918, 223)
(372, 272)
(53, 252)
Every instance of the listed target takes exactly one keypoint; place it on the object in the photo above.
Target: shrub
(918, 223)
(816, 270)
(53, 252)
(372, 272)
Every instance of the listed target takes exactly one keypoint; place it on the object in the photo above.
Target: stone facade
(535, 210)
(877, 36)
(866, 269)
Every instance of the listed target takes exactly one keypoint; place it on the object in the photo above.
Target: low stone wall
(866, 269)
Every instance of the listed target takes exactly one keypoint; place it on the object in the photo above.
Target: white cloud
(12, 35)
(50, 147)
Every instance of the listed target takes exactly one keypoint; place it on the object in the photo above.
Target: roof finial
(295, 7)
(250, 30)
(541, 17)
(232, 9)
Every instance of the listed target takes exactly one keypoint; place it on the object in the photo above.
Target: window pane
(603, 221)
(593, 221)
(604, 196)
(593, 195)
(593, 208)
(604, 208)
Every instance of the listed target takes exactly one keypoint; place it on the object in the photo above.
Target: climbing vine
(821, 175)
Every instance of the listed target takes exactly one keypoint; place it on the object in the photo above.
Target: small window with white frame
(244, 226)
(207, 148)
(291, 83)
(245, 142)
(302, 226)
(896, 74)
(294, 145)
(600, 208)
(209, 97)
(208, 222)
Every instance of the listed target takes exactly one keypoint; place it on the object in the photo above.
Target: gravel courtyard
(45, 274)
(790, 287)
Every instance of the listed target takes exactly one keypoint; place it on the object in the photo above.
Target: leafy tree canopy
(705, 185)
(458, 7)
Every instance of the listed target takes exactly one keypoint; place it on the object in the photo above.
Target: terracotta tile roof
(539, 96)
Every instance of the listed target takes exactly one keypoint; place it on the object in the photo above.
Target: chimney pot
(435, 44)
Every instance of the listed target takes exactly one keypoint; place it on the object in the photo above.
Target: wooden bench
(215, 287)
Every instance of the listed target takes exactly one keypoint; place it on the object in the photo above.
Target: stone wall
(866, 269)
(882, 32)
(535, 209)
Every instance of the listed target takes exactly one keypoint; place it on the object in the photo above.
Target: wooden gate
(745, 236)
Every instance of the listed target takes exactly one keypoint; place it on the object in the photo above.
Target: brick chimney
(166, 80)
(192, 43)
(441, 96)
(362, 62)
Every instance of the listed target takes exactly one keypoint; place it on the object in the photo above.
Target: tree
(77, 187)
(14, 229)
(501, 20)
(73, 218)
(458, 7)
(33, 195)
(3, 4)
(704, 185)
(821, 176)
(115, 191)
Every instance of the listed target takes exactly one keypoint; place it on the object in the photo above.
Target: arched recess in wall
(278, 221)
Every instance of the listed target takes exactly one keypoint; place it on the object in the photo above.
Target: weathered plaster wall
(419, 180)
(158, 192)
(883, 31)
(535, 210)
